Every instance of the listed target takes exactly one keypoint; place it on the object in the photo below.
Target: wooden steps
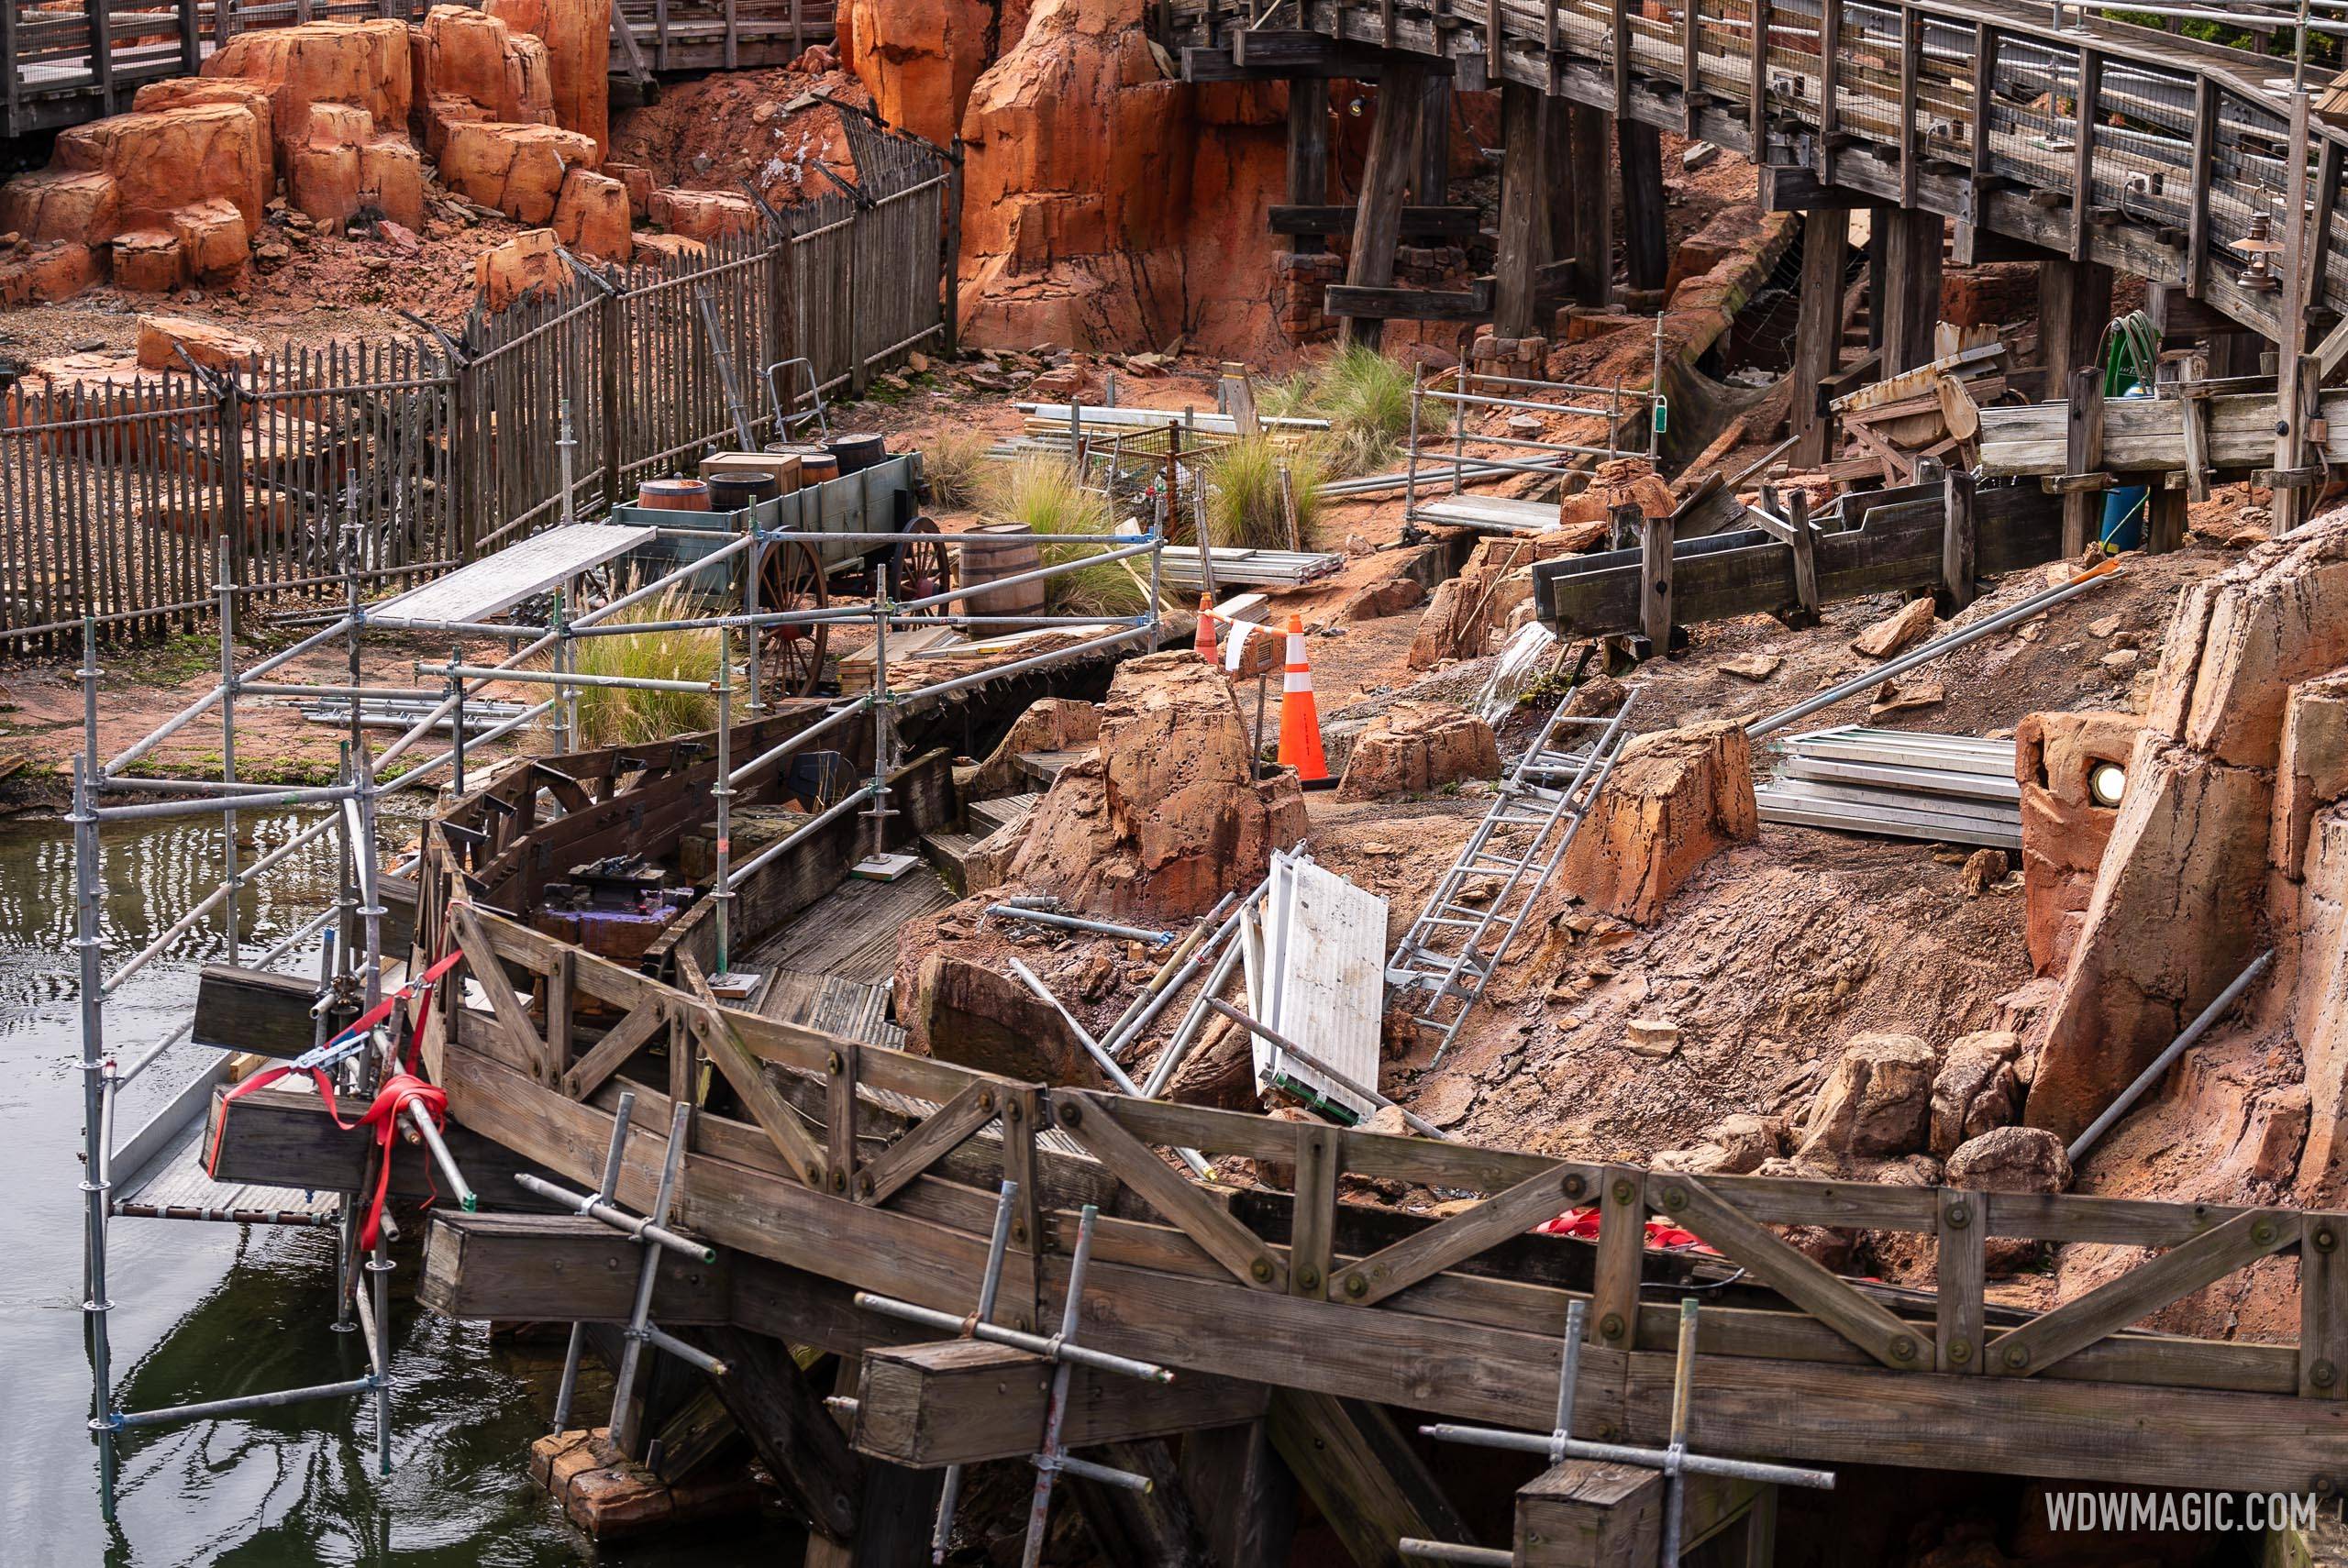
(991, 816)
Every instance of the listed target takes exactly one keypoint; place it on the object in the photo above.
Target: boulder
(1897, 633)
(391, 179)
(504, 274)
(638, 180)
(363, 65)
(2312, 769)
(2009, 1159)
(701, 215)
(1167, 816)
(48, 272)
(577, 39)
(1977, 1088)
(1466, 611)
(1674, 799)
(669, 250)
(1414, 747)
(590, 217)
(73, 204)
(475, 70)
(176, 92)
(1734, 1145)
(515, 169)
(1050, 724)
(209, 344)
(2064, 830)
(1877, 1102)
(172, 156)
(980, 1015)
(322, 168)
(1618, 481)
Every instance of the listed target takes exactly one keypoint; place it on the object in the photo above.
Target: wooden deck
(1973, 112)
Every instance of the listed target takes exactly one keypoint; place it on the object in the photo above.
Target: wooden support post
(1244, 1496)
(950, 244)
(2324, 1307)
(1593, 207)
(2166, 510)
(1431, 150)
(1378, 214)
(1586, 1514)
(1308, 152)
(1960, 547)
(966, 1401)
(1818, 327)
(803, 1448)
(1960, 1226)
(2292, 369)
(1156, 1526)
(1911, 259)
(1878, 275)
(1524, 218)
(2073, 307)
(1646, 249)
(2083, 454)
(894, 1510)
(1621, 1251)
(1354, 1462)
(1758, 103)
(2091, 86)
(1655, 579)
(1804, 545)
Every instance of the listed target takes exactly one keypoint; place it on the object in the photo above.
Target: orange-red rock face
(1106, 203)
(920, 58)
(362, 65)
(578, 38)
(518, 170)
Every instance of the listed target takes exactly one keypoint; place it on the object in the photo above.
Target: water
(205, 1311)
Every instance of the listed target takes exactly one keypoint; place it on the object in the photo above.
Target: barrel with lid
(673, 495)
(858, 453)
(735, 492)
(1009, 550)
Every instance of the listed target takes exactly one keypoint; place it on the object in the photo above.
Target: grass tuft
(611, 715)
(1042, 491)
(1244, 508)
(955, 464)
(1366, 398)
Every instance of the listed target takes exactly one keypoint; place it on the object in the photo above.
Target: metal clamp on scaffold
(1560, 1444)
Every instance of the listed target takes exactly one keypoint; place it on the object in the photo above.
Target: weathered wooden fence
(128, 503)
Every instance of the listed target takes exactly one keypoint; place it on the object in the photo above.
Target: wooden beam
(2075, 306)
(1364, 1475)
(1910, 245)
(964, 1401)
(1382, 303)
(894, 1511)
(516, 1269)
(1378, 212)
(1313, 220)
(1524, 216)
(1431, 150)
(286, 1138)
(1308, 162)
(1592, 201)
(1585, 1513)
(1242, 1494)
(1647, 248)
(1818, 328)
(1157, 1527)
(783, 1416)
(1461, 1236)
(2083, 449)
(258, 1011)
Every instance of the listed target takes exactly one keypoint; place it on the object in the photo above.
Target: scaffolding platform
(160, 1174)
(500, 581)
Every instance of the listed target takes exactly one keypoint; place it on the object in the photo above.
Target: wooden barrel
(984, 563)
(858, 453)
(733, 493)
(673, 495)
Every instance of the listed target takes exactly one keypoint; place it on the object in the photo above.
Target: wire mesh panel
(1867, 59)
(2144, 143)
(1724, 50)
(1943, 114)
(2032, 114)
(1794, 82)
(2247, 179)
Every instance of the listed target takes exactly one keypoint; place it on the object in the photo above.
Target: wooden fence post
(2083, 432)
(611, 318)
(1655, 581)
(951, 224)
(1959, 539)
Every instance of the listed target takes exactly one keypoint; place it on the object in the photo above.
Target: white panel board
(1325, 973)
(499, 581)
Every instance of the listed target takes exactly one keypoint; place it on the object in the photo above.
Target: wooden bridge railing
(874, 1169)
(2116, 144)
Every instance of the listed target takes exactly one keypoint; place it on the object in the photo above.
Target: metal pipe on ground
(2036, 604)
(1417, 1123)
(2167, 1058)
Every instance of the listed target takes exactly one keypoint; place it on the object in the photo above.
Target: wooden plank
(1089, 1119)
(1320, 1158)
(2079, 1322)
(1962, 1225)
(515, 1268)
(1622, 1257)
(938, 1133)
(1793, 1275)
(1244, 1496)
(622, 1039)
(779, 1122)
(523, 1047)
(2324, 1307)
(1315, 220)
(1359, 1469)
(966, 1401)
(1367, 303)
(1455, 1240)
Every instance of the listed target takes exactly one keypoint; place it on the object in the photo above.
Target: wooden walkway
(2116, 144)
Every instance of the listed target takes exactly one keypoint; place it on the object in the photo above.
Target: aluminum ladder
(1455, 944)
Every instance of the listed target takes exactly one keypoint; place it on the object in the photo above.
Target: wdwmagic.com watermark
(2188, 1511)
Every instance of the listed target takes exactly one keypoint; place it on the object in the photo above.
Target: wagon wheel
(791, 656)
(919, 569)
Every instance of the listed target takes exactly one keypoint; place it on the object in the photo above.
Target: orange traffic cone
(1203, 644)
(1300, 718)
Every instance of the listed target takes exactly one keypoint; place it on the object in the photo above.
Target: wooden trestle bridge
(818, 1167)
(2041, 133)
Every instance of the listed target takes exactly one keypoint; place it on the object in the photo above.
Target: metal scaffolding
(352, 964)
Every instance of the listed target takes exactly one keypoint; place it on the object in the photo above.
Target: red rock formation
(1167, 816)
(518, 170)
(162, 339)
(362, 65)
(1107, 203)
(1413, 747)
(590, 217)
(1674, 799)
(578, 38)
(470, 69)
(505, 272)
(703, 215)
(920, 58)
(2062, 828)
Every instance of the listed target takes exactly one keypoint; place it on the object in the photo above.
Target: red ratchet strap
(1582, 1225)
(374, 1016)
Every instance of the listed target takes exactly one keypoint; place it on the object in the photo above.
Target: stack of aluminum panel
(1899, 783)
(1235, 566)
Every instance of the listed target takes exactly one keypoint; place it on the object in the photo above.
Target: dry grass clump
(1042, 492)
(1244, 505)
(955, 463)
(612, 715)
(1366, 398)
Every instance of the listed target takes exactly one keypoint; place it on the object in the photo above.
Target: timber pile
(1933, 410)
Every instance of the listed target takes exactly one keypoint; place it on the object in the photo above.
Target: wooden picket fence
(129, 503)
